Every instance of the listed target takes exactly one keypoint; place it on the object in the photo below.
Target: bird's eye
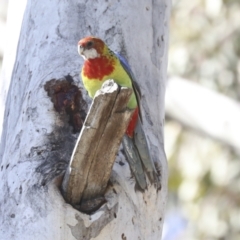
(89, 44)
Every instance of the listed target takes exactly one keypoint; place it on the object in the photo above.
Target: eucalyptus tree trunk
(45, 109)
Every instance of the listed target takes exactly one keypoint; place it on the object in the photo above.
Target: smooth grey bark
(37, 140)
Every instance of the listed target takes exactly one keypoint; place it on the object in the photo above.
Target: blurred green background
(204, 174)
(3, 18)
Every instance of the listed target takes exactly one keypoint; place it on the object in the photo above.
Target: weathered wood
(96, 148)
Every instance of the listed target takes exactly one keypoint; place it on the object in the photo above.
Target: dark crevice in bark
(71, 108)
(67, 98)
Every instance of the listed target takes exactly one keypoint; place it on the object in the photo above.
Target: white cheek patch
(90, 53)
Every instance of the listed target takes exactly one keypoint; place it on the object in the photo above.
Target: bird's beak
(80, 50)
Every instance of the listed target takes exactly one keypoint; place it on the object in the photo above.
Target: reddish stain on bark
(67, 97)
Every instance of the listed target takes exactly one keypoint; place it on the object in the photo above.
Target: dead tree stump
(92, 160)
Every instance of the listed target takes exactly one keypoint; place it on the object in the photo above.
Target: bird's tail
(139, 158)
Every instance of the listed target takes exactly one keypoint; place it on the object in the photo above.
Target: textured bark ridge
(92, 160)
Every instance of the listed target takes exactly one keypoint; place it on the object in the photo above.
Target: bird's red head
(90, 47)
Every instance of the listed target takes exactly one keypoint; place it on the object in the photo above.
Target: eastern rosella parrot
(102, 64)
